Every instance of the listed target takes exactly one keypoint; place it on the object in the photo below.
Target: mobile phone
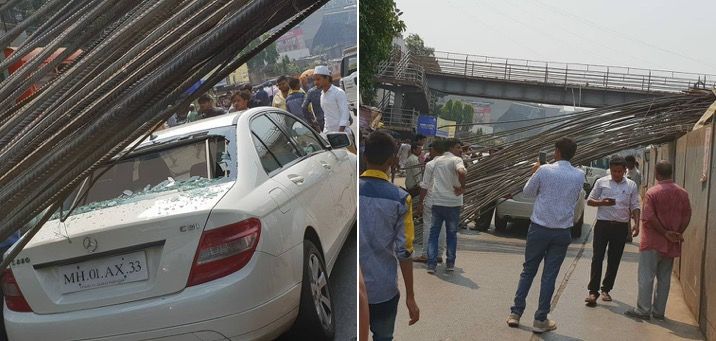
(611, 199)
(542, 158)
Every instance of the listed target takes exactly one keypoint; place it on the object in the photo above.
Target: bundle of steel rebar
(136, 60)
(599, 133)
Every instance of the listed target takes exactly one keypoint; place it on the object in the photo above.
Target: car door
(334, 190)
(322, 162)
(296, 179)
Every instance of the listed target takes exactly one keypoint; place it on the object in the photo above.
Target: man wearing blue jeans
(557, 188)
(448, 185)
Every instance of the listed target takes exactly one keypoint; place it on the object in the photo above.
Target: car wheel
(577, 228)
(316, 320)
(500, 223)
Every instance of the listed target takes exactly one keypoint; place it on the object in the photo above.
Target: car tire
(316, 319)
(500, 223)
(577, 228)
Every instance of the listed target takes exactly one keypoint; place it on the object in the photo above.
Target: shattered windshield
(174, 165)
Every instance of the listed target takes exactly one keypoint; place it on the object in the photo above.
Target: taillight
(13, 296)
(224, 250)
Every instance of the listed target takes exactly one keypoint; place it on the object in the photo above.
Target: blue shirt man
(557, 188)
(386, 238)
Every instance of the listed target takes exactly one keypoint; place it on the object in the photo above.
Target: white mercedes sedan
(222, 229)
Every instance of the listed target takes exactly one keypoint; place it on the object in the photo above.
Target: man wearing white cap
(333, 102)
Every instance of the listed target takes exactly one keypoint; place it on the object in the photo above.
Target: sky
(664, 35)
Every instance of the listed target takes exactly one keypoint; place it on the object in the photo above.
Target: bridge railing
(400, 119)
(585, 75)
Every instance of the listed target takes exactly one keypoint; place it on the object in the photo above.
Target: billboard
(427, 125)
(446, 132)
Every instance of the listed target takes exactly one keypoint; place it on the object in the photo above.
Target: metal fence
(400, 119)
(585, 75)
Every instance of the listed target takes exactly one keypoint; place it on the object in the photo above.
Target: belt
(612, 222)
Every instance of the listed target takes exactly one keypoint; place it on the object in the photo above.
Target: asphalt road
(343, 283)
(473, 302)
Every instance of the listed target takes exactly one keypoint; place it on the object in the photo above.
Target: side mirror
(338, 140)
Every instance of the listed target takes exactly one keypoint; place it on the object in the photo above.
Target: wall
(696, 269)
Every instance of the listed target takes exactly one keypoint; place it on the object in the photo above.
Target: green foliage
(417, 47)
(286, 67)
(458, 111)
(379, 23)
(267, 56)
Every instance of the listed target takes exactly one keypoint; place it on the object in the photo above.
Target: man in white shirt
(333, 102)
(632, 174)
(403, 154)
(617, 201)
(448, 185)
(413, 171)
(557, 188)
(425, 205)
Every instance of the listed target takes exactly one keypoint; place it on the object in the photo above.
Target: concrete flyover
(556, 83)
(546, 93)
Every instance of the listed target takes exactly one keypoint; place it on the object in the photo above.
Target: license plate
(103, 272)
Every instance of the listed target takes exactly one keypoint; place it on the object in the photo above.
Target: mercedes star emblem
(90, 244)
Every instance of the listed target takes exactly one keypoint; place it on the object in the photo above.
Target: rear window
(165, 167)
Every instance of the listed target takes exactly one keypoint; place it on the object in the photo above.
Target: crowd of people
(314, 99)
(437, 179)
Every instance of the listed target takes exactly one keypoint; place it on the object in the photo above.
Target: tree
(379, 24)
(267, 56)
(417, 47)
(286, 67)
(458, 111)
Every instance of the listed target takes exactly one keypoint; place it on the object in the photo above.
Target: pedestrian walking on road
(448, 185)
(260, 98)
(295, 98)
(557, 188)
(312, 106)
(666, 215)
(333, 102)
(403, 154)
(279, 98)
(425, 205)
(617, 202)
(386, 238)
(633, 174)
(413, 172)
(240, 101)
(207, 108)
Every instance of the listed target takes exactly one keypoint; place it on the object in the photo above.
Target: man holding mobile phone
(617, 200)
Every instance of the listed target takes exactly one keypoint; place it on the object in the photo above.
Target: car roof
(203, 125)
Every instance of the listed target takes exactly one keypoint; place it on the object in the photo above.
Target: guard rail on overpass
(555, 73)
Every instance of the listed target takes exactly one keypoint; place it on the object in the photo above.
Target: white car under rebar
(222, 229)
(519, 208)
